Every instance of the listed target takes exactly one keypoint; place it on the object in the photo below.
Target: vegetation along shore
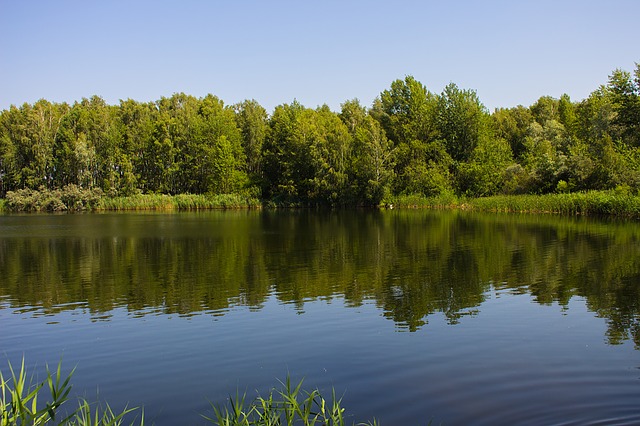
(411, 148)
(24, 402)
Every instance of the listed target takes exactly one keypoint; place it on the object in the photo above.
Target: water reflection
(412, 264)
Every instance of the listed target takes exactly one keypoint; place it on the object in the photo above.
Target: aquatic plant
(20, 402)
(179, 202)
(289, 405)
(604, 203)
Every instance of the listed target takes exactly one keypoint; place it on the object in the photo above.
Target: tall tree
(251, 119)
(285, 158)
(461, 121)
(511, 124)
(371, 162)
(217, 149)
(625, 92)
(408, 113)
(28, 137)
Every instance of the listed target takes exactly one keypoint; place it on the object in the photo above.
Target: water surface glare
(454, 317)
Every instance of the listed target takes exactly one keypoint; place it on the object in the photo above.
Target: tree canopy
(410, 141)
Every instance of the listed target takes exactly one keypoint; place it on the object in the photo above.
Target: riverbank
(591, 203)
(73, 199)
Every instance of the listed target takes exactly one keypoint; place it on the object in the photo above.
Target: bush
(71, 197)
(30, 200)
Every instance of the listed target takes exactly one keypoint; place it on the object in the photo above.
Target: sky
(316, 52)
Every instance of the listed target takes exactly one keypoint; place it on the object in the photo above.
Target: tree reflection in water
(411, 264)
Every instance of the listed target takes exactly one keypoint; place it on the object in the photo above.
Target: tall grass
(289, 405)
(137, 202)
(605, 203)
(179, 202)
(74, 198)
(446, 200)
(21, 402)
(591, 203)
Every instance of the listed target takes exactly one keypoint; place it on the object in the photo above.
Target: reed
(21, 402)
(443, 201)
(179, 202)
(137, 202)
(289, 405)
(592, 203)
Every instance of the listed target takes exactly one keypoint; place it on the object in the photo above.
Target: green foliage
(606, 203)
(461, 120)
(20, 403)
(512, 125)
(289, 405)
(486, 172)
(625, 93)
(69, 198)
(307, 154)
(98, 415)
(443, 200)
(406, 111)
(370, 168)
(19, 397)
(411, 141)
(180, 202)
(251, 119)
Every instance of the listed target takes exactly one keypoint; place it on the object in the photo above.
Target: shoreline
(590, 203)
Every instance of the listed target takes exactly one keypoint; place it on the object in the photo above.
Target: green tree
(371, 162)
(545, 158)
(408, 114)
(567, 115)
(285, 158)
(220, 142)
(544, 109)
(625, 92)
(512, 125)
(28, 137)
(487, 171)
(330, 155)
(137, 125)
(89, 150)
(251, 119)
(462, 121)
(406, 111)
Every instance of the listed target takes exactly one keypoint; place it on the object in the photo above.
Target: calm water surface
(414, 316)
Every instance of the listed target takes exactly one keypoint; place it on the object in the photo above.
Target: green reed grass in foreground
(289, 405)
(20, 402)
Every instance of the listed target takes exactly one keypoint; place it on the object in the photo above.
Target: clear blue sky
(511, 52)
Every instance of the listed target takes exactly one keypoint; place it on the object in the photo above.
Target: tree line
(410, 141)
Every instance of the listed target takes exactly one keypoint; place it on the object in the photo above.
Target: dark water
(414, 316)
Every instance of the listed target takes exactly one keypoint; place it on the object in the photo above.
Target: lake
(410, 315)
